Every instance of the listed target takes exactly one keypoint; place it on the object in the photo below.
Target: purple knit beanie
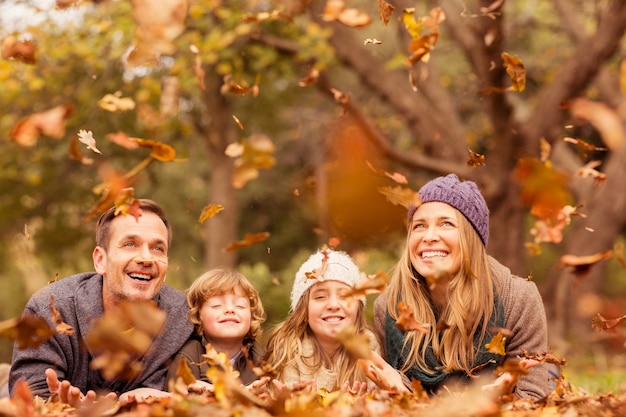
(463, 196)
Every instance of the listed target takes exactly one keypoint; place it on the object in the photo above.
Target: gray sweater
(79, 301)
(524, 316)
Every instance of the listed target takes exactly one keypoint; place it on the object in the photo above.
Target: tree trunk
(218, 130)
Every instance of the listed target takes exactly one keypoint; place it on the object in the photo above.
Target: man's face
(135, 264)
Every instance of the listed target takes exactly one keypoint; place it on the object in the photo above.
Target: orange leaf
(385, 10)
(496, 344)
(62, 327)
(581, 265)
(406, 320)
(248, 240)
(23, 51)
(400, 196)
(599, 323)
(29, 331)
(209, 211)
(515, 70)
(123, 140)
(48, 123)
(159, 150)
(475, 159)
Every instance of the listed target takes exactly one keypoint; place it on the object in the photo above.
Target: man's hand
(69, 394)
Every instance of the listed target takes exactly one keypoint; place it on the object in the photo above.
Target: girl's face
(434, 241)
(226, 318)
(330, 312)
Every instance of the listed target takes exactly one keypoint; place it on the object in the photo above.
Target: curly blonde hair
(221, 281)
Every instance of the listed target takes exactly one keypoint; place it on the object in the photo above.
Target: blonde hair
(220, 281)
(468, 310)
(284, 346)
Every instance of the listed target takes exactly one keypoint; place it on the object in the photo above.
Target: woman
(461, 295)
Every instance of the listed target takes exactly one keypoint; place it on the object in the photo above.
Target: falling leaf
(62, 327)
(209, 211)
(545, 357)
(49, 123)
(370, 41)
(396, 176)
(551, 229)
(240, 89)
(406, 320)
(341, 98)
(157, 25)
(422, 44)
(158, 150)
(28, 331)
(544, 189)
(252, 154)
(357, 345)
(76, 154)
(198, 69)
(311, 77)
(475, 159)
(605, 119)
(599, 323)
(581, 265)
(121, 337)
(589, 171)
(23, 51)
(584, 146)
(238, 122)
(116, 103)
(515, 70)
(385, 10)
(544, 150)
(123, 140)
(336, 10)
(125, 203)
(87, 138)
(248, 240)
(496, 344)
(372, 284)
(400, 196)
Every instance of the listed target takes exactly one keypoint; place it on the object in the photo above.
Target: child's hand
(358, 388)
(259, 385)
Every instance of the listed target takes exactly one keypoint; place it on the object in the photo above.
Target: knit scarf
(396, 356)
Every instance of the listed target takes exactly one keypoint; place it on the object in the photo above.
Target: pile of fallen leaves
(235, 400)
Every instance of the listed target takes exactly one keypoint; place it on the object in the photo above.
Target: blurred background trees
(324, 105)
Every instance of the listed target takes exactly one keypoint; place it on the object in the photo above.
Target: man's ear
(99, 259)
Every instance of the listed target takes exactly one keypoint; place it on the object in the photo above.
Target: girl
(227, 313)
(446, 278)
(305, 347)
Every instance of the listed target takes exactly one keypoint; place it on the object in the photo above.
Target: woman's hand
(505, 383)
(383, 374)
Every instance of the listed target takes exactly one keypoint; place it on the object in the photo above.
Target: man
(130, 260)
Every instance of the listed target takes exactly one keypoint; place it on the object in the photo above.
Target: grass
(597, 373)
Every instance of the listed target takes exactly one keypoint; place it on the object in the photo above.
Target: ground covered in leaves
(227, 401)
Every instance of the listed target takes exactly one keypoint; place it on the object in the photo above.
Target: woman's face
(434, 241)
(330, 312)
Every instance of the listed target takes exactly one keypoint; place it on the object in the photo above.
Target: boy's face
(226, 318)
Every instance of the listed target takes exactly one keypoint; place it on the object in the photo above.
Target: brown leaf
(23, 51)
(400, 196)
(605, 119)
(584, 146)
(406, 320)
(157, 24)
(396, 176)
(62, 327)
(545, 357)
(515, 70)
(385, 10)
(121, 337)
(50, 123)
(599, 323)
(158, 150)
(589, 171)
(248, 240)
(581, 265)
(373, 284)
(475, 159)
(29, 331)
(209, 211)
(357, 345)
(76, 154)
(311, 77)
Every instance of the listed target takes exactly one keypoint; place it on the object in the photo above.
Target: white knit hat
(325, 265)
